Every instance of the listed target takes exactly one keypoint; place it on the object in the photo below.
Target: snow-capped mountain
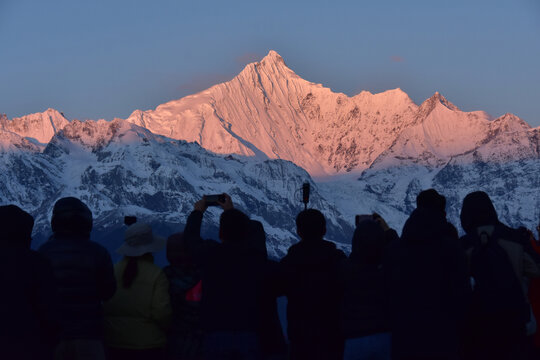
(38, 128)
(119, 169)
(270, 112)
(375, 152)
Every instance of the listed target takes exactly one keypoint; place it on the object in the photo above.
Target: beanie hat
(71, 217)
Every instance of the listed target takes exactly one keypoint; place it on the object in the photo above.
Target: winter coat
(84, 273)
(428, 288)
(185, 333)
(137, 317)
(233, 280)
(309, 277)
(534, 297)
(29, 321)
(364, 309)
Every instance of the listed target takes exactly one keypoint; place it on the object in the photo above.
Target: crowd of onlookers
(424, 294)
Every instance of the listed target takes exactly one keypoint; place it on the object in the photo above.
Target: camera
(130, 220)
(212, 200)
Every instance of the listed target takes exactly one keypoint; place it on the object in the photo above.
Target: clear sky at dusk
(104, 59)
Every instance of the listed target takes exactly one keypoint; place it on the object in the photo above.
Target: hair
(130, 272)
(311, 224)
(431, 199)
(234, 226)
(477, 210)
(368, 243)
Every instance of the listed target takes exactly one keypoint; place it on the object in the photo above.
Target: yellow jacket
(138, 317)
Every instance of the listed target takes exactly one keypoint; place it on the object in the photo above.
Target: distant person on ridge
(309, 277)
(365, 305)
(428, 287)
(29, 323)
(233, 281)
(84, 272)
(139, 313)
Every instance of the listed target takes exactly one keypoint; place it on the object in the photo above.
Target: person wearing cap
(138, 315)
(84, 273)
(29, 324)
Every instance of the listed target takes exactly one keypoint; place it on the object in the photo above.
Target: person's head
(233, 226)
(177, 252)
(431, 199)
(257, 237)
(15, 226)
(139, 240)
(310, 225)
(477, 210)
(71, 217)
(368, 243)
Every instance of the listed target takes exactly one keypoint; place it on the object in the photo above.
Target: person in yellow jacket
(137, 316)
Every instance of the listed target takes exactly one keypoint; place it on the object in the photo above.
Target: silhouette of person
(233, 281)
(364, 312)
(273, 345)
(309, 277)
(428, 287)
(84, 273)
(497, 255)
(29, 323)
(138, 315)
(185, 334)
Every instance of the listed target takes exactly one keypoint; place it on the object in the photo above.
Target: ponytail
(130, 272)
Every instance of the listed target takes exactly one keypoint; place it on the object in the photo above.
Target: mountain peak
(38, 126)
(274, 62)
(437, 99)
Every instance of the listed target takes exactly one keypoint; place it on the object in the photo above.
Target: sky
(104, 59)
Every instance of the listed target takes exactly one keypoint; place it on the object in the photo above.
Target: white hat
(139, 240)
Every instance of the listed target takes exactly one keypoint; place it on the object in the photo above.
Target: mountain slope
(270, 112)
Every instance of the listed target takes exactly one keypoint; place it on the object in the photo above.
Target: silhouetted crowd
(427, 294)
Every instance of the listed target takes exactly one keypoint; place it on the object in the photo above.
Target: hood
(423, 225)
(15, 226)
(71, 218)
(477, 210)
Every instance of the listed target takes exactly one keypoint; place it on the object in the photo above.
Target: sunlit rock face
(269, 111)
(38, 127)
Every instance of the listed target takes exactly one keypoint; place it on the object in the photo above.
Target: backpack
(498, 297)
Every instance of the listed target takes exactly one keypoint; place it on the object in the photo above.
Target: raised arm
(192, 232)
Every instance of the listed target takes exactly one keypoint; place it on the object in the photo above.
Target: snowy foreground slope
(259, 137)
